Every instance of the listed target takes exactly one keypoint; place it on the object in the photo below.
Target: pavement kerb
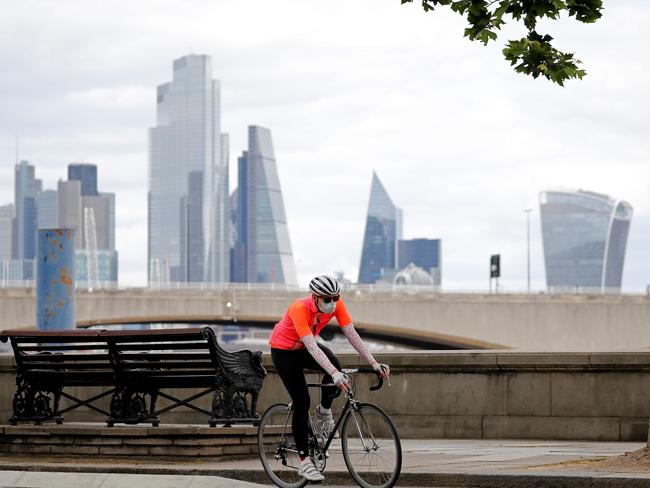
(450, 480)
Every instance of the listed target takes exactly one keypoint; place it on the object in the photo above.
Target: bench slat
(167, 364)
(162, 372)
(60, 358)
(62, 366)
(175, 339)
(162, 347)
(67, 347)
(165, 356)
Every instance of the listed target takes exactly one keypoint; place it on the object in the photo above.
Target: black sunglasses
(331, 299)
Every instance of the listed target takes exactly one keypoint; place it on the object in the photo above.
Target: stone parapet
(474, 394)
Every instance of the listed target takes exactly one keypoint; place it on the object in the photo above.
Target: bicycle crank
(319, 458)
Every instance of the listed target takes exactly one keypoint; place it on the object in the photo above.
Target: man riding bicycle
(294, 348)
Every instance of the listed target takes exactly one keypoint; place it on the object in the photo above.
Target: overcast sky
(460, 141)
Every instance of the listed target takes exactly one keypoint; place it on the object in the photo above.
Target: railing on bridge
(348, 287)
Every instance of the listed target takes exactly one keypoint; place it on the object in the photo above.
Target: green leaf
(534, 54)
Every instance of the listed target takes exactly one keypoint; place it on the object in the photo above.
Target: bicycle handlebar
(380, 380)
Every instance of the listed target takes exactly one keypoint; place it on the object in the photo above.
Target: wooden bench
(137, 366)
(146, 364)
(49, 362)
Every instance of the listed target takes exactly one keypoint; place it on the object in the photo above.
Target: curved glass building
(584, 236)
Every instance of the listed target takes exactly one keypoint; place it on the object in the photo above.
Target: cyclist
(294, 348)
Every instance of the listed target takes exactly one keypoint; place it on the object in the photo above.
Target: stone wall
(475, 394)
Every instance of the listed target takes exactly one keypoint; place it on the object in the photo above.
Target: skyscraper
(6, 232)
(47, 209)
(82, 207)
(187, 138)
(85, 173)
(26, 189)
(69, 209)
(7, 222)
(584, 236)
(239, 272)
(192, 228)
(262, 252)
(383, 230)
(424, 253)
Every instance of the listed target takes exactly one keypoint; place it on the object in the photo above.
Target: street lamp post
(528, 210)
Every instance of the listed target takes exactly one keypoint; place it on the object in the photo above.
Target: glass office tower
(187, 139)
(383, 230)
(85, 173)
(26, 191)
(262, 252)
(584, 237)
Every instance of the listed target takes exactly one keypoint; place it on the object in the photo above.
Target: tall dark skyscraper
(239, 273)
(262, 249)
(383, 230)
(584, 236)
(87, 174)
(424, 253)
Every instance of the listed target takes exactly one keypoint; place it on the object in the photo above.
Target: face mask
(326, 307)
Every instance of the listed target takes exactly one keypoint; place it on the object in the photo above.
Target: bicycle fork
(372, 443)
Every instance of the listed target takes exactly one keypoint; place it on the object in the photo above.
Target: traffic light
(495, 266)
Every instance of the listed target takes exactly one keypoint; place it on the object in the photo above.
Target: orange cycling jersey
(303, 318)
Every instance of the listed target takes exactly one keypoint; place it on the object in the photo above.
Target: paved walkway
(448, 463)
(42, 479)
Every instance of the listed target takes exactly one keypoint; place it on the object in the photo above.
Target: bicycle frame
(350, 403)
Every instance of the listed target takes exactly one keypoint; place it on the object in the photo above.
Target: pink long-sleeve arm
(312, 347)
(357, 342)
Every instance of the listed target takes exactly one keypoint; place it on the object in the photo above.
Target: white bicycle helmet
(324, 286)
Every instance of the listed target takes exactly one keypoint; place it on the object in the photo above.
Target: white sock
(307, 460)
(323, 410)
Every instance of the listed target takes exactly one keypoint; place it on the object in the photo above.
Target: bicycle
(371, 447)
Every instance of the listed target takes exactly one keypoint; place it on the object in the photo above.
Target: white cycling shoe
(324, 423)
(308, 471)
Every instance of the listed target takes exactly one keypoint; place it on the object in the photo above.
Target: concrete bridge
(456, 320)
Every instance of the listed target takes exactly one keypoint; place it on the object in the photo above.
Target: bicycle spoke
(371, 447)
(277, 448)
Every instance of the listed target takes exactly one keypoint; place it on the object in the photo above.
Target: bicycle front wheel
(371, 447)
(277, 449)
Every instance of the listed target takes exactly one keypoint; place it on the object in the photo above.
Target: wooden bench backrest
(184, 351)
(59, 350)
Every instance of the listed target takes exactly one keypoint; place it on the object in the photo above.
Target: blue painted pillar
(55, 288)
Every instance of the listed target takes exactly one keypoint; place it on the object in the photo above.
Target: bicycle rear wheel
(277, 448)
(371, 447)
